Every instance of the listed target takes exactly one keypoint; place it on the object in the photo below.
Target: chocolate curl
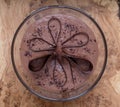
(84, 65)
(77, 40)
(38, 44)
(59, 74)
(38, 63)
(54, 27)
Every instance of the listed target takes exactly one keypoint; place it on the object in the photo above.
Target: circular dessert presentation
(59, 52)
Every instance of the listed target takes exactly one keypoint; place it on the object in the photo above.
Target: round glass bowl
(25, 76)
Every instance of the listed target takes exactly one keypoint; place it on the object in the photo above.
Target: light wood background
(105, 94)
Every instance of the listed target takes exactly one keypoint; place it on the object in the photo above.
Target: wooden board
(105, 94)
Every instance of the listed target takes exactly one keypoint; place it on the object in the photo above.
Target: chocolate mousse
(59, 52)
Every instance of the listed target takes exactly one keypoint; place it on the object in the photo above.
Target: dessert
(59, 52)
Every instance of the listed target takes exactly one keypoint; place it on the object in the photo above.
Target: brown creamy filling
(59, 52)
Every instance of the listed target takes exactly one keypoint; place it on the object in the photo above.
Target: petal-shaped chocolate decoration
(59, 74)
(38, 63)
(84, 65)
(39, 44)
(54, 27)
(70, 64)
(77, 40)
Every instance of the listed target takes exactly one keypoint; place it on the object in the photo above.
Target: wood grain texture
(105, 94)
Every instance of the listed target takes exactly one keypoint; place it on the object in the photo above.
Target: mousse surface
(59, 53)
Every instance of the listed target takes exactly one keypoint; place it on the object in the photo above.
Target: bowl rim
(66, 7)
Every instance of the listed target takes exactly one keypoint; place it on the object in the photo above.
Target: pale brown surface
(105, 94)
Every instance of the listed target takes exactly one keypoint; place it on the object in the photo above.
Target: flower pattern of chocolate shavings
(58, 52)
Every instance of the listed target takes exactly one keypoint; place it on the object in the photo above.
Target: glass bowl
(32, 80)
